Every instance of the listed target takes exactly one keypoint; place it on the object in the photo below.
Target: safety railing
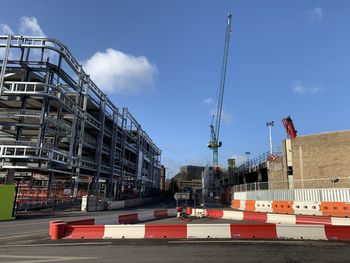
(104, 168)
(108, 132)
(89, 140)
(20, 113)
(88, 163)
(261, 159)
(30, 152)
(60, 126)
(37, 88)
(92, 121)
(332, 182)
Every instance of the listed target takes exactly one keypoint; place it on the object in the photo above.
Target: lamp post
(270, 124)
(247, 154)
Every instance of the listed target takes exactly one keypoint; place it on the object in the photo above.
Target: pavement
(27, 241)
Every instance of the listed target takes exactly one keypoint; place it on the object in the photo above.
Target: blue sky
(163, 61)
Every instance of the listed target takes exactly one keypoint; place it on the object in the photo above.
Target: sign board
(182, 196)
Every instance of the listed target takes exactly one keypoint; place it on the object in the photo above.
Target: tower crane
(214, 142)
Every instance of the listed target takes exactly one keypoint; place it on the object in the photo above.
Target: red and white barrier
(194, 231)
(145, 216)
(340, 209)
(263, 206)
(273, 218)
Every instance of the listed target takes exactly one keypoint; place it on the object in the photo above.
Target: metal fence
(303, 195)
(263, 158)
(35, 199)
(335, 182)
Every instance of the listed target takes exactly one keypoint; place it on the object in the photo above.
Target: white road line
(271, 242)
(58, 244)
(25, 235)
(18, 224)
(39, 259)
(237, 241)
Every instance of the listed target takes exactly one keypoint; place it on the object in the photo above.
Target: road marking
(286, 242)
(18, 224)
(39, 259)
(58, 244)
(26, 235)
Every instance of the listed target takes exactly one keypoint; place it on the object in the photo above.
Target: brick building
(313, 161)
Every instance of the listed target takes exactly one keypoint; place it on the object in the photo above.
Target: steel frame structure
(55, 121)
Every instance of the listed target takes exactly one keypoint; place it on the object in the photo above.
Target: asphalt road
(175, 251)
(40, 225)
(27, 241)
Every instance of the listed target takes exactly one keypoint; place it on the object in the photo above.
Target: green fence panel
(7, 198)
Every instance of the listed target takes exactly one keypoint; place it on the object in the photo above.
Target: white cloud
(27, 26)
(316, 14)
(208, 101)
(225, 116)
(117, 72)
(6, 29)
(30, 26)
(301, 88)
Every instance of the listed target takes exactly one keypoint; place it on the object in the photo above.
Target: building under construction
(59, 130)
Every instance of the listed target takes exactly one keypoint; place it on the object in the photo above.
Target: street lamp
(247, 154)
(270, 124)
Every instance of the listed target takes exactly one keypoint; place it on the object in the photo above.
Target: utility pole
(247, 154)
(270, 124)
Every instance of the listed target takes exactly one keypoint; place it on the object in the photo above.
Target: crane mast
(214, 142)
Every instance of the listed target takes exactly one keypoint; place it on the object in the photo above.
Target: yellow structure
(7, 198)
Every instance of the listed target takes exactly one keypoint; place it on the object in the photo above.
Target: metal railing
(332, 182)
(263, 158)
(25, 152)
(38, 88)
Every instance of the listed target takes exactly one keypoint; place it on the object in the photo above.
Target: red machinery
(289, 126)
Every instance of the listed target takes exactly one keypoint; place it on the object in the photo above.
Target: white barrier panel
(304, 195)
(308, 195)
(306, 208)
(124, 231)
(337, 221)
(233, 215)
(242, 205)
(263, 206)
(208, 231)
(281, 219)
(84, 203)
(146, 216)
(171, 212)
(336, 195)
(198, 212)
(315, 232)
(240, 196)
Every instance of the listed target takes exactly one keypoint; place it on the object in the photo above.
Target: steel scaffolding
(55, 123)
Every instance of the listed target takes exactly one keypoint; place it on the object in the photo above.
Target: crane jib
(214, 142)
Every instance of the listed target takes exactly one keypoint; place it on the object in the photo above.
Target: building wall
(277, 178)
(189, 172)
(323, 157)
